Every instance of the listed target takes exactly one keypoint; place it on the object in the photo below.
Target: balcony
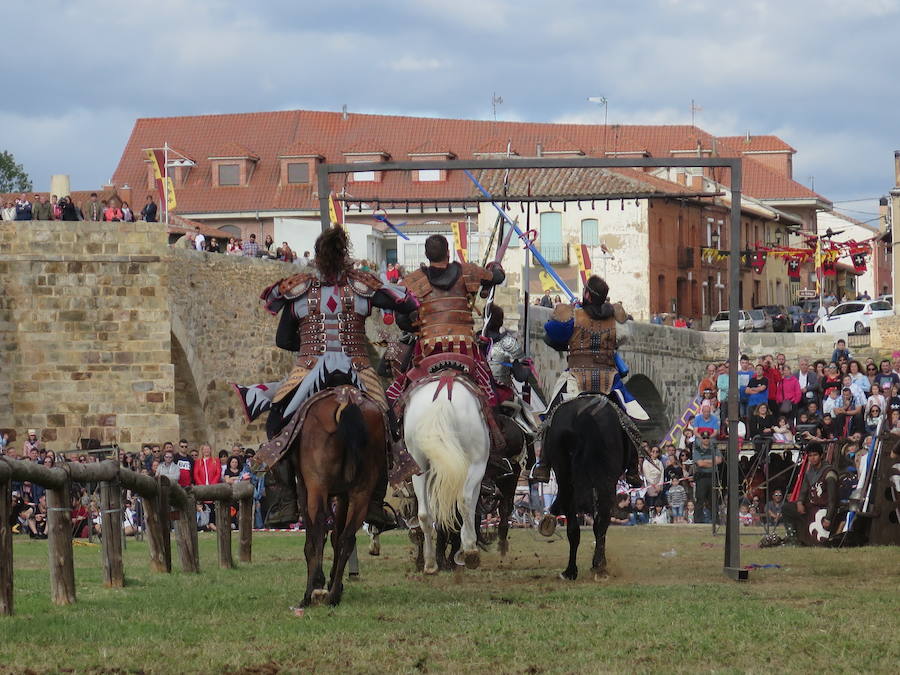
(556, 254)
(686, 258)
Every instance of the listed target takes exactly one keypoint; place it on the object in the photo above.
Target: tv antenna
(495, 101)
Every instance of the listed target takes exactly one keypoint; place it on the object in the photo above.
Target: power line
(861, 199)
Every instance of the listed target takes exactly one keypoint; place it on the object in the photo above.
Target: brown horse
(340, 454)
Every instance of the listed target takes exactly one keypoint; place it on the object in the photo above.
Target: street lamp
(714, 239)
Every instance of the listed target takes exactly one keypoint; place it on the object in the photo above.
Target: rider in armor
(446, 292)
(588, 333)
(323, 315)
(818, 490)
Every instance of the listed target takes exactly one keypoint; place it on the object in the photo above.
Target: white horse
(448, 439)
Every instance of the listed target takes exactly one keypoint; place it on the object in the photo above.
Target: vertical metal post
(732, 567)
(322, 177)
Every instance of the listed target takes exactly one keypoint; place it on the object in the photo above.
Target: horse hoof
(600, 575)
(569, 575)
(503, 548)
(472, 560)
(375, 548)
(430, 570)
(318, 596)
(547, 526)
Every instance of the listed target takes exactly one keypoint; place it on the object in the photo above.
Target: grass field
(824, 610)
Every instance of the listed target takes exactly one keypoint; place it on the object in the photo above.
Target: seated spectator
(621, 512)
(831, 382)
(659, 515)
(641, 516)
(847, 414)
(80, 518)
(760, 423)
(130, 525)
(37, 521)
(744, 515)
(204, 524)
(689, 512)
(886, 375)
(773, 508)
(781, 432)
(873, 417)
(832, 401)
(827, 428)
(840, 351)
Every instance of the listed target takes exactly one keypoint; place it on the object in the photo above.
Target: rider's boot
(284, 508)
(633, 470)
(394, 424)
(540, 472)
(503, 468)
(378, 518)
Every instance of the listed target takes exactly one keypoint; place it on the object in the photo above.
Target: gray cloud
(817, 72)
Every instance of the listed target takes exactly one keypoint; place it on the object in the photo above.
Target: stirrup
(540, 473)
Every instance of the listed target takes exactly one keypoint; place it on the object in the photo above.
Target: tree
(12, 176)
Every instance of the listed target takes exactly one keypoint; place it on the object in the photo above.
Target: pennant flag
(759, 261)
(335, 210)
(584, 262)
(461, 240)
(819, 270)
(548, 284)
(157, 159)
(793, 265)
(829, 264)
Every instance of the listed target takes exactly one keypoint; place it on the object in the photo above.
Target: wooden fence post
(223, 532)
(245, 530)
(111, 533)
(186, 532)
(6, 546)
(158, 527)
(59, 545)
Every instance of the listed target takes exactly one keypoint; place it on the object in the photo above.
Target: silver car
(761, 320)
(721, 324)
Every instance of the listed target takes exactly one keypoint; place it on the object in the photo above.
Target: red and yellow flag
(461, 240)
(584, 262)
(157, 159)
(335, 210)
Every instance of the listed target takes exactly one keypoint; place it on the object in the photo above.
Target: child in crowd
(781, 432)
(744, 514)
(689, 512)
(677, 498)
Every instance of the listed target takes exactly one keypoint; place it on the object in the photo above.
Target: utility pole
(601, 100)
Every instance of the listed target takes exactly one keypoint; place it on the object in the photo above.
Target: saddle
(273, 450)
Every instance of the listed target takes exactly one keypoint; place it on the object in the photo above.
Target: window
(590, 232)
(880, 306)
(363, 176)
(413, 254)
(298, 172)
(429, 175)
(229, 174)
(550, 242)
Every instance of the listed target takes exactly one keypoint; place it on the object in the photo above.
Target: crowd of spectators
(51, 207)
(185, 465)
(839, 401)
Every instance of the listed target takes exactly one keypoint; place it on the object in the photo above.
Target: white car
(721, 324)
(853, 317)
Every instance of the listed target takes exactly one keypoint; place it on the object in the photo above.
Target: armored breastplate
(593, 342)
(333, 324)
(504, 351)
(445, 315)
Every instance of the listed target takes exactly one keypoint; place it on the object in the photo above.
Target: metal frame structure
(732, 567)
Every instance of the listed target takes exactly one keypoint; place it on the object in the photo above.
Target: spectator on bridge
(92, 209)
(9, 211)
(199, 240)
(113, 212)
(232, 248)
(148, 213)
(546, 301)
(68, 211)
(285, 254)
(251, 248)
(127, 213)
(24, 208)
(269, 246)
(42, 208)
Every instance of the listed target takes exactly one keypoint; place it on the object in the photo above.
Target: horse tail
(352, 434)
(595, 458)
(438, 441)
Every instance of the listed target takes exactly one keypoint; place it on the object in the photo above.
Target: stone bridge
(108, 333)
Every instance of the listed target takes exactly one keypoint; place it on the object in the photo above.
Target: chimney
(540, 150)
(897, 168)
(883, 213)
(344, 115)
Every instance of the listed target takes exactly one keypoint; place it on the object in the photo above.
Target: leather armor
(445, 315)
(592, 348)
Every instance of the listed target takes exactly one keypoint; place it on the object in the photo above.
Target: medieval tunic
(325, 325)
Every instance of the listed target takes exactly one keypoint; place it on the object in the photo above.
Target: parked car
(887, 298)
(721, 323)
(761, 320)
(795, 317)
(780, 321)
(853, 317)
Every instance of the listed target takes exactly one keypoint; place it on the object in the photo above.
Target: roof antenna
(344, 115)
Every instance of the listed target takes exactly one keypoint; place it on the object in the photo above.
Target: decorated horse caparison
(458, 428)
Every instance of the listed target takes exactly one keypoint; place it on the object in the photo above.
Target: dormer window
(430, 175)
(428, 151)
(233, 166)
(229, 174)
(363, 152)
(298, 164)
(297, 172)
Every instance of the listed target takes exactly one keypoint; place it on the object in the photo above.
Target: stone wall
(85, 330)
(885, 335)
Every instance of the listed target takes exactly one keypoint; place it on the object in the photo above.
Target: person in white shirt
(199, 241)
(832, 401)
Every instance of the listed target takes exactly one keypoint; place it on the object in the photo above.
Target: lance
(525, 240)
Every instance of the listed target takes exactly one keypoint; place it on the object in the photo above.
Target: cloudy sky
(821, 74)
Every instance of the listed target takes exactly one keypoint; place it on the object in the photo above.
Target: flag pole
(166, 180)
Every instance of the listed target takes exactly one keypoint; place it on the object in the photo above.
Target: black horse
(588, 449)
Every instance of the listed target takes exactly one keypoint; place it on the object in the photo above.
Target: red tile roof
(231, 149)
(273, 134)
(756, 144)
(575, 182)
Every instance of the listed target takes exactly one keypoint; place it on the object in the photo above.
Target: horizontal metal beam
(533, 163)
(617, 196)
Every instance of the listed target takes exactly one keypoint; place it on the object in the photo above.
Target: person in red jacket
(772, 373)
(788, 394)
(207, 470)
